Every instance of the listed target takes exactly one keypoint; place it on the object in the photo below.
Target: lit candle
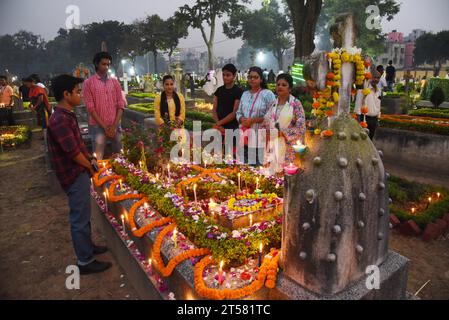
(212, 204)
(145, 208)
(220, 273)
(299, 147)
(430, 199)
(194, 191)
(250, 220)
(168, 169)
(150, 265)
(238, 176)
(121, 151)
(121, 185)
(175, 237)
(257, 183)
(157, 176)
(260, 253)
(140, 164)
(95, 155)
(205, 163)
(291, 169)
(123, 222)
(413, 211)
(105, 200)
(438, 195)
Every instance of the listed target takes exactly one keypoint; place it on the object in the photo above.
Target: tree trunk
(210, 52)
(155, 61)
(278, 55)
(305, 17)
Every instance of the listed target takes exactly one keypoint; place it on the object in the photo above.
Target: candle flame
(430, 199)
(221, 265)
(413, 210)
(438, 194)
(150, 261)
(123, 217)
(261, 247)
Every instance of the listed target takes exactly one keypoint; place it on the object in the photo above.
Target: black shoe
(94, 267)
(100, 249)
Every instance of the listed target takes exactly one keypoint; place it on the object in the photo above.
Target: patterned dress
(290, 120)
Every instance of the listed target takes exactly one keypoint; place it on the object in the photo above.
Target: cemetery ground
(35, 243)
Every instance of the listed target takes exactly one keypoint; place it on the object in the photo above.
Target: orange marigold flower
(364, 124)
(368, 76)
(330, 76)
(316, 105)
(327, 133)
(364, 110)
(367, 64)
(330, 113)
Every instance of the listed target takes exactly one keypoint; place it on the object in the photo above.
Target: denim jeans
(99, 140)
(79, 203)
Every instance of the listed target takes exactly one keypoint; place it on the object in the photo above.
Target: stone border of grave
(432, 231)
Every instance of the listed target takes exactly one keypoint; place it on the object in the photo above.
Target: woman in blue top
(253, 106)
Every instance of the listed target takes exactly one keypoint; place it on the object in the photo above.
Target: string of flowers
(326, 99)
(167, 270)
(122, 197)
(266, 275)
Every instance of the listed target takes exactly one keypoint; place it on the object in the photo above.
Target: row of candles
(429, 201)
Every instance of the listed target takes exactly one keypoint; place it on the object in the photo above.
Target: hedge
(433, 83)
(427, 112)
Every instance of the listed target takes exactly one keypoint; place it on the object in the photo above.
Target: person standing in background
(105, 105)
(391, 76)
(6, 102)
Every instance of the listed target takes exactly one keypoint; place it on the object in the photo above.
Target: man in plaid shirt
(74, 166)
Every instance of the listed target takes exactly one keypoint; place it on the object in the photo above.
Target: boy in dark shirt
(226, 101)
(74, 166)
(390, 76)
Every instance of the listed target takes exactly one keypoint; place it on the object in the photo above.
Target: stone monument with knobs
(336, 209)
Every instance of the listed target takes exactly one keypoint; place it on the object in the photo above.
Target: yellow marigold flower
(317, 131)
(336, 97)
(366, 92)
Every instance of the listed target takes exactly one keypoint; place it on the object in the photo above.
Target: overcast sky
(45, 17)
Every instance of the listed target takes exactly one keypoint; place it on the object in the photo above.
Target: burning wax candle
(140, 164)
(121, 185)
(299, 147)
(123, 222)
(413, 211)
(250, 220)
(121, 151)
(260, 253)
(168, 169)
(220, 273)
(291, 169)
(438, 195)
(212, 204)
(194, 192)
(145, 208)
(257, 183)
(175, 237)
(105, 200)
(157, 176)
(238, 176)
(150, 265)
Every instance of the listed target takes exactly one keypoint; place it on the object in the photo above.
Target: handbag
(243, 136)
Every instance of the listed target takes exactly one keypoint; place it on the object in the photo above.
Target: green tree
(432, 49)
(371, 40)
(304, 16)
(176, 29)
(111, 32)
(252, 27)
(152, 35)
(205, 13)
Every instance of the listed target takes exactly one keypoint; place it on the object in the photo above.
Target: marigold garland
(156, 253)
(122, 197)
(98, 182)
(267, 276)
